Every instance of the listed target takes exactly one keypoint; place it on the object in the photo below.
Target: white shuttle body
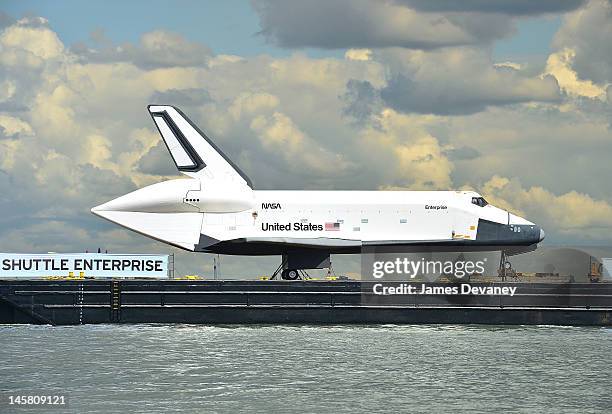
(216, 209)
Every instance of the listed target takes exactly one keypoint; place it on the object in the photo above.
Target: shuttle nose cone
(96, 210)
(542, 234)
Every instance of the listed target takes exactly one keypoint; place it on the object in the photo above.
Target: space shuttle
(216, 209)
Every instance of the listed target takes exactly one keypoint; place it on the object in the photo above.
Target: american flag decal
(332, 226)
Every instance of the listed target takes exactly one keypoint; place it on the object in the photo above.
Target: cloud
(560, 64)
(448, 82)
(563, 213)
(462, 153)
(371, 24)
(508, 65)
(509, 7)
(11, 127)
(7, 90)
(182, 97)
(405, 154)
(587, 33)
(362, 100)
(358, 54)
(157, 162)
(249, 104)
(280, 135)
(29, 42)
(415, 24)
(561, 147)
(156, 49)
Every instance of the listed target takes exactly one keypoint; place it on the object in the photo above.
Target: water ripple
(191, 368)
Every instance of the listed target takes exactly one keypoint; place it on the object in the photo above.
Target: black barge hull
(76, 302)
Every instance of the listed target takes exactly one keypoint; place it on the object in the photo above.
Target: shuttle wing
(178, 229)
(192, 151)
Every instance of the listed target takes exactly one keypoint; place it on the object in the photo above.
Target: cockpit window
(479, 201)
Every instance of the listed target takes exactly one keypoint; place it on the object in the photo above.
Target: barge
(74, 302)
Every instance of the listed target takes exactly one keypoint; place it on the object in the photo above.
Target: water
(423, 369)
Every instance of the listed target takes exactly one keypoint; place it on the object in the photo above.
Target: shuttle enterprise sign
(90, 264)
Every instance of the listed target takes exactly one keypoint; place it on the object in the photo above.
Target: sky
(510, 98)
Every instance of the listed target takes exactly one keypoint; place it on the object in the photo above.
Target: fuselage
(245, 221)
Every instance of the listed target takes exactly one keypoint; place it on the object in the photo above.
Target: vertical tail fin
(192, 151)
